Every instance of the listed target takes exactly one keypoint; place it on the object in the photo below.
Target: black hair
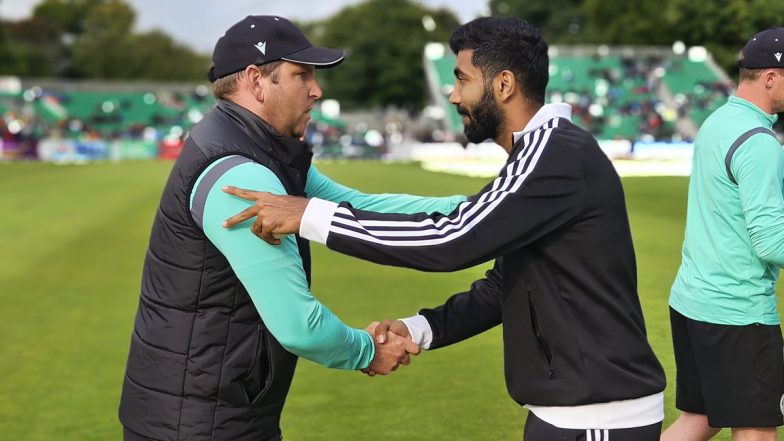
(507, 43)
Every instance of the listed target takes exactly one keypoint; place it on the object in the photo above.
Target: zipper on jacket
(540, 340)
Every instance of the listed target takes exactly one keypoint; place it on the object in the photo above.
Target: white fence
(486, 159)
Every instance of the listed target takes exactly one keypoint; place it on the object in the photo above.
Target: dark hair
(506, 43)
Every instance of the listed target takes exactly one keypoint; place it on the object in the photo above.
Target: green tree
(384, 42)
(723, 25)
(108, 49)
(68, 15)
(720, 25)
(9, 60)
(624, 22)
(93, 39)
(559, 21)
(155, 55)
(33, 49)
(100, 51)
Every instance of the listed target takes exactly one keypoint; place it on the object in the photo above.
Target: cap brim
(321, 57)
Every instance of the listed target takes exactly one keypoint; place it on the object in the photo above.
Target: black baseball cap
(764, 50)
(261, 39)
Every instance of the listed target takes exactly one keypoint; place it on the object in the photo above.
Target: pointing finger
(241, 192)
(241, 217)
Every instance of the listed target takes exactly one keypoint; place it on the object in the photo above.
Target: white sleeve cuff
(316, 220)
(420, 330)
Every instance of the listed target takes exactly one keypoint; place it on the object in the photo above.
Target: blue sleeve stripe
(208, 181)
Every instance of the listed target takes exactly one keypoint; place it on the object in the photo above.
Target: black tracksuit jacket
(564, 283)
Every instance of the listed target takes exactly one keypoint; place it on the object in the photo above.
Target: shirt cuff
(420, 330)
(316, 220)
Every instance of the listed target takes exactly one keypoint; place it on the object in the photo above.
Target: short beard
(485, 120)
(778, 106)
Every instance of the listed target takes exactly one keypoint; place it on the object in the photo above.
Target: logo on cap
(778, 56)
(262, 47)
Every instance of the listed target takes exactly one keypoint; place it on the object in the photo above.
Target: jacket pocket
(541, 341)
(260, 374)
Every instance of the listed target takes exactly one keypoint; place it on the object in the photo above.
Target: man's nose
(315, 91)
(454, 97)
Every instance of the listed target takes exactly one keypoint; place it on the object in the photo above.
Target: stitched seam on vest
(169, 217)
(156, 346)
(190, 341)
(141, 436)
(147, 299)
(150, 388)
(173, 220)
(166, 262)
(223, 359)
(208, 181)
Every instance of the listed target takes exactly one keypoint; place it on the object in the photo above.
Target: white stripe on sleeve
(468, 214)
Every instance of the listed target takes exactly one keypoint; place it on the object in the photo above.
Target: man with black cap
(725, 325)
(222, 318)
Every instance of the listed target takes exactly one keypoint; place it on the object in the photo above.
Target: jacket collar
(763, 116)
(546, 113)
(286, 149)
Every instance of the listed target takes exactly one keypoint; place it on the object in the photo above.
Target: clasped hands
(393, 346)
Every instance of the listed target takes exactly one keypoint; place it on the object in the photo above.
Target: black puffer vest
(202, 365)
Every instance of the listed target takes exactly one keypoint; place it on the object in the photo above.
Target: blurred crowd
(616, 101)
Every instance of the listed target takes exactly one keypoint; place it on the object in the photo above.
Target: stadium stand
(697, 88)
(628, 95)
(615, 92)
(54, 119)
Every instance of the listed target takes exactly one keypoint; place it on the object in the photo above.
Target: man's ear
(770, 78)
(505, 85)
(255, 81)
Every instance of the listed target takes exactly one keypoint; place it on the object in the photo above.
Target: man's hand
(275, 215)
(391, 326)
(392, 349)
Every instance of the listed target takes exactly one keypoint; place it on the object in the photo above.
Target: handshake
(393, 345)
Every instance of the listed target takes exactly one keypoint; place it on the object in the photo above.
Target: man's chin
(299, 132)
(474, 137)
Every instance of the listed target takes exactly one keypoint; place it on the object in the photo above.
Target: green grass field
(72, 240)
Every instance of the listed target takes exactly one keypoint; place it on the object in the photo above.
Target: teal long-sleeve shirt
(273, 275)
(734, 241)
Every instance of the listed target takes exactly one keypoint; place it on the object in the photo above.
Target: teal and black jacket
(222, 315)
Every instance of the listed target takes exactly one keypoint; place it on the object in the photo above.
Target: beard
(778, 107)
(484, 120)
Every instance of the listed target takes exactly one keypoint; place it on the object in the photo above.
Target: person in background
(726, 330)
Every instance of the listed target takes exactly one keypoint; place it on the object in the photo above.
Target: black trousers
(538, 430)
